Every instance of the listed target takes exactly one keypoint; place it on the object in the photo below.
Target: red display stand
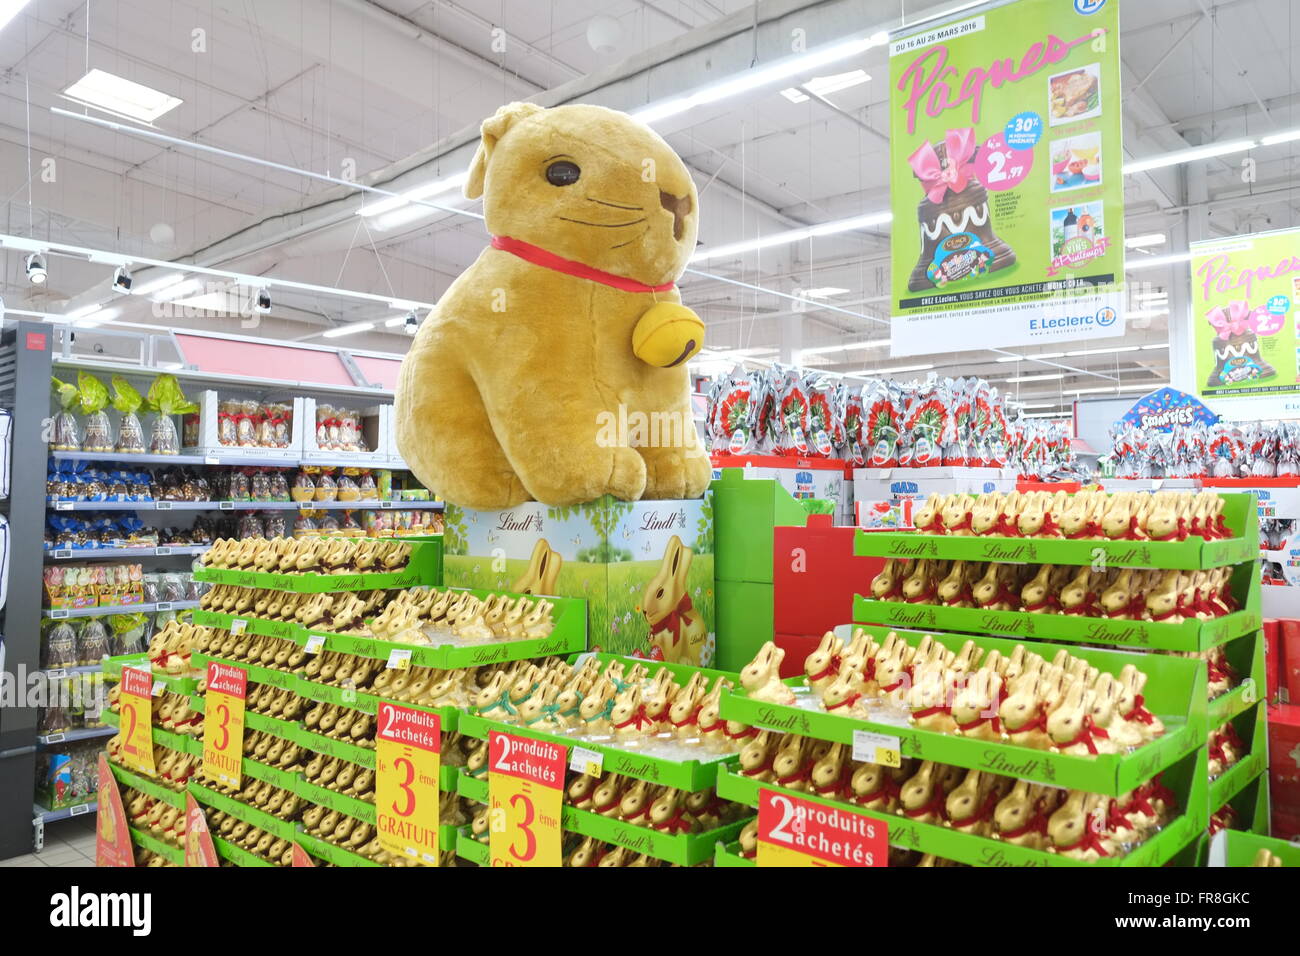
(815, 575)
(1284, 769)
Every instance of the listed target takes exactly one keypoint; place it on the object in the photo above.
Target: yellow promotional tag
(525, 785)
(223, 725)
(797, 832)
(408, 747)
(136, 703)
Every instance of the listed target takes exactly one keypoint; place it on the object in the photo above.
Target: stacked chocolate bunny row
(308, 555)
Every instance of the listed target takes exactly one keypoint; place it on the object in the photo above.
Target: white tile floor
(69, 842)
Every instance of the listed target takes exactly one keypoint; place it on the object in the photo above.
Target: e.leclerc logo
(1102, 318)
(1088, 7)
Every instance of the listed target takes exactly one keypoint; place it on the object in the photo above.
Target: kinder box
(917, 484)
(645, 568)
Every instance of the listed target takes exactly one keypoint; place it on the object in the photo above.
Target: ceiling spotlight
(122, 280)
(36, 269)
(263, 304)
(412, 323)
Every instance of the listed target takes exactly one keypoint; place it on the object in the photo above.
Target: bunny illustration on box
(569, 321)
(676, 629)
(543, 570)
(1236, 347)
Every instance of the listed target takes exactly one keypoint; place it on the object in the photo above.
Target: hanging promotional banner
(112, 838)
(525, 786)
(408, 747)
(797, 832)
(1246, 346)
(135, 705)
(223, 729)
(1005, 159)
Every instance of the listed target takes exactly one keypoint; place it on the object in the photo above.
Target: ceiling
(390, 93)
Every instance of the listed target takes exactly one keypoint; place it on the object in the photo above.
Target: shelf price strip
(136, 702)
(797, 832)
(407, 763)
(525, 785)
(223, 727)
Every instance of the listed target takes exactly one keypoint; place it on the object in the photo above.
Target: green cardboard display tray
(467, 848)
(472, 788)
(330, 853)
(728, 854)
(1242, 847)
(684, 774)
(1191, 635)
(1239, 513)
(112, 670)
(1175, 685)
(1240, 776)
(685, 849)
(270, 725)
(984, 851)
(1247, 656)
(344, 697)
(285, 680)
(267, 774)
(335, 801)
(172, 854)
(744, 513)
(425, 567)
(129, 778)
(319, 743)
(286, 630)
(237, 854)
(242, 811)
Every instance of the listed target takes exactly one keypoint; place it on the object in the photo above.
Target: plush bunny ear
(493, 128)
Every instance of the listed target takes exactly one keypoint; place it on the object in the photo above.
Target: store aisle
(68, 843)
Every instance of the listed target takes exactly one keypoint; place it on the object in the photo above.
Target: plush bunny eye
(562, 173)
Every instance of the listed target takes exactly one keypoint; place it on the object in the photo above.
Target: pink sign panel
(379, 371)
(262, 360)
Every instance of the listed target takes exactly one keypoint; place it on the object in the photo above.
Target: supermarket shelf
(40, 813)
(71, 736)
(467, 848)
(254, 461)
(104, 554)
(370, 504)
(54, 673)
(59, 614)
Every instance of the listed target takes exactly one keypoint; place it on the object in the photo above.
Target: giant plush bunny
(553, 368)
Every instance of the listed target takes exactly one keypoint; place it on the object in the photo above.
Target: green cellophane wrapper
(166, 399)
(130, 433)
(96, 430)
(66, 434)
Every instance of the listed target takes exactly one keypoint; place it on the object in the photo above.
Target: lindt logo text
(512, 522)
(654, 522)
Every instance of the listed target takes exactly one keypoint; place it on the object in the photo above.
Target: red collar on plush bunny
(549, 260)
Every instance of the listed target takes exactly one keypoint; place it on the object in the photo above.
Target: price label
(590, 762)
(385, 504)
(163, 606)
(797, 832)
(158, 688)
(56, 673)
(876, 748)
(59, 615)
(211, 460)
(225, 506)
(136, 704)
(79, 810)
(163, 506)
(238, 626)
(163, 552)
(54, 738)
(61, 553)
(65, 506)
(314, 643)
(525, 785)
(408, 746)
(223, 725)
(306, 505)
(399, 659)
(199, 849)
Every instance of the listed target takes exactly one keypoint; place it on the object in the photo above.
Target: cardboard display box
(801, 477)
(645, 568)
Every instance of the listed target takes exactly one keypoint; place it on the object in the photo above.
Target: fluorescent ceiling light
(428, 190)
(1146, 387)
(157, 285)
(1180, 156)
(171, 292)
(226, 301)
(1038, 404)
(1159, 345)
(117, 95)
(1132, 265)
(83, 311)
(92, 316)
(1148, 239)
(893, 371)
(1035, 378)
(395, 321)
(793, 235)
(404, 216)
(755, 78)
(845, 347)
(348, 329)
(1147, 313)
(1149, 296)
(1118, 348)
(822, 85)
(1062, 414)
(10, 9)
(1027, 358)
(1287, 137)
(823, 292)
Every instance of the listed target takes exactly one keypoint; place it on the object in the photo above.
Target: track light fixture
(412, 323)
(263, 304)
(35, 266)
(122, 280)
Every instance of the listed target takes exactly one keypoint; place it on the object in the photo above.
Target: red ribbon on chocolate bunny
(937, 179)
(672, 621)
